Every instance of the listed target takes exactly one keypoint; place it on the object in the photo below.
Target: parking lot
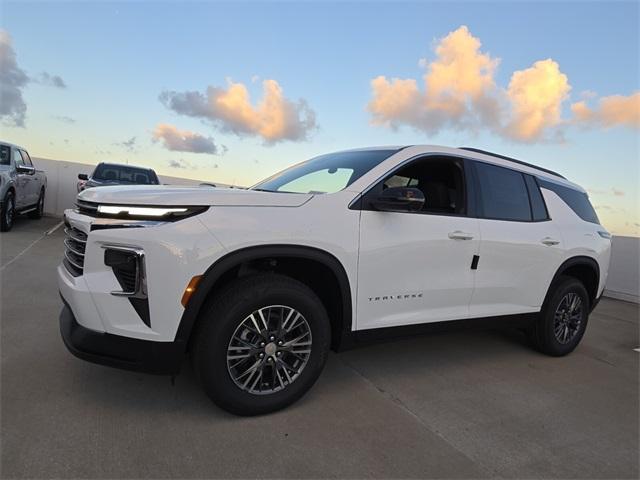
(475, 404)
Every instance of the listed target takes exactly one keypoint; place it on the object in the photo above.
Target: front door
(23, 182)
(416, 267)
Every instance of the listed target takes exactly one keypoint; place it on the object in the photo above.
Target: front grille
(75, 242)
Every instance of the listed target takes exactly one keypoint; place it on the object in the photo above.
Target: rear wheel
(8, 212)
(262, 344)
(38, 212)
(563, 319)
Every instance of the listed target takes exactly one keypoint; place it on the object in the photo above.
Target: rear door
(415, 267)
(520, 248)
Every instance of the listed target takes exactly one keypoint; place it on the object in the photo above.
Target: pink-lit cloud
(459, 91)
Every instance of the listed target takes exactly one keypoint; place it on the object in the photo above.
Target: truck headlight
(136, 212)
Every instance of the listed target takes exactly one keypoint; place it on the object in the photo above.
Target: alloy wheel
(9, 212)
(568, 318)
(269, 349)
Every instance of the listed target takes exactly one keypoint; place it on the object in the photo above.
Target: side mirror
(25, 169)
(399, 199)
(83, 176)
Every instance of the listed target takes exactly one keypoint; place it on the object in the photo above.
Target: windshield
(325, 174)
(124, 174)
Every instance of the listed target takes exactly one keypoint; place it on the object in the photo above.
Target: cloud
(13, 79)
(185, 141)
(459, 91)
(611, 111)
(180, 163)
(536, 95)
(64, 119)
(50, 80)
(274, 118)
(129, 145)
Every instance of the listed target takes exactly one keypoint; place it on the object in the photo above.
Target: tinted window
(576, 200)
(538, 207)
(503, 193)
(124, 174)
(17, 158)
(5, 155)
(326, 173)
(440, 180)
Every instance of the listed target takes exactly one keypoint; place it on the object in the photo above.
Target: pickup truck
(22, 187)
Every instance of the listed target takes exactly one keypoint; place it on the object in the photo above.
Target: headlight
(141, 212)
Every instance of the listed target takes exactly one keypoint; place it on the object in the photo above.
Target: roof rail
(484, 152)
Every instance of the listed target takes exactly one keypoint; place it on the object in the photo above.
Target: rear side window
(5, 155)
(538, 207)
(503, 193)
(575, 199)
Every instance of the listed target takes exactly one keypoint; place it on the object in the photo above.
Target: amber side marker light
(191, 288)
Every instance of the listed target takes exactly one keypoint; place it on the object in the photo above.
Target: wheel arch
(310, 265)
(585, 269)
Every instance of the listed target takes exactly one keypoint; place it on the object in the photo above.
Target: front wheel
(563, 319)
(39, 211)
(8, 212)
(261, 345)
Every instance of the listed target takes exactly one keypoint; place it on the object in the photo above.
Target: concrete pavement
(458, 405)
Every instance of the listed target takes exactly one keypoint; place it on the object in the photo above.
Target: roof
(114, 164)
(9, 144)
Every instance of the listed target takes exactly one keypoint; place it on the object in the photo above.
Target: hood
(172, 195)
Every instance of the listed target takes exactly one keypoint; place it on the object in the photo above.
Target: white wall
(62, 177)
(624, 273)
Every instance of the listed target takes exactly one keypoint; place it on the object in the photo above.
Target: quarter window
(576, 200)
(503, 193)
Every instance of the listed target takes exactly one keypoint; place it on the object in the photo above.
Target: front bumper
(163, 358)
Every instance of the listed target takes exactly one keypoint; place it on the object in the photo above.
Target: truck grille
(75, 242)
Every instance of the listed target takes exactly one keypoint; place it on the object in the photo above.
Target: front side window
(17, 158)
(503, 193)
(441, 181)
(26, 158)
(326, 173)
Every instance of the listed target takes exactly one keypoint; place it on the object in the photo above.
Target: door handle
(550, 241)
(458, 235)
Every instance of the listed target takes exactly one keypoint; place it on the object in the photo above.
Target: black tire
(8, 212)
(39, 211)
(223, 316)
(556, 332)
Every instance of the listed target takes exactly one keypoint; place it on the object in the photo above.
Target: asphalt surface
(469, 405)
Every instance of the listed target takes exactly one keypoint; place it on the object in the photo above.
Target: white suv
(256, 285)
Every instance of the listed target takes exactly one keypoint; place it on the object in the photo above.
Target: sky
(233, 92)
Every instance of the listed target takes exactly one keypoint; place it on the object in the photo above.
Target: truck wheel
(563, 319)
(262, 343)
(8, 212)
(37, 213)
